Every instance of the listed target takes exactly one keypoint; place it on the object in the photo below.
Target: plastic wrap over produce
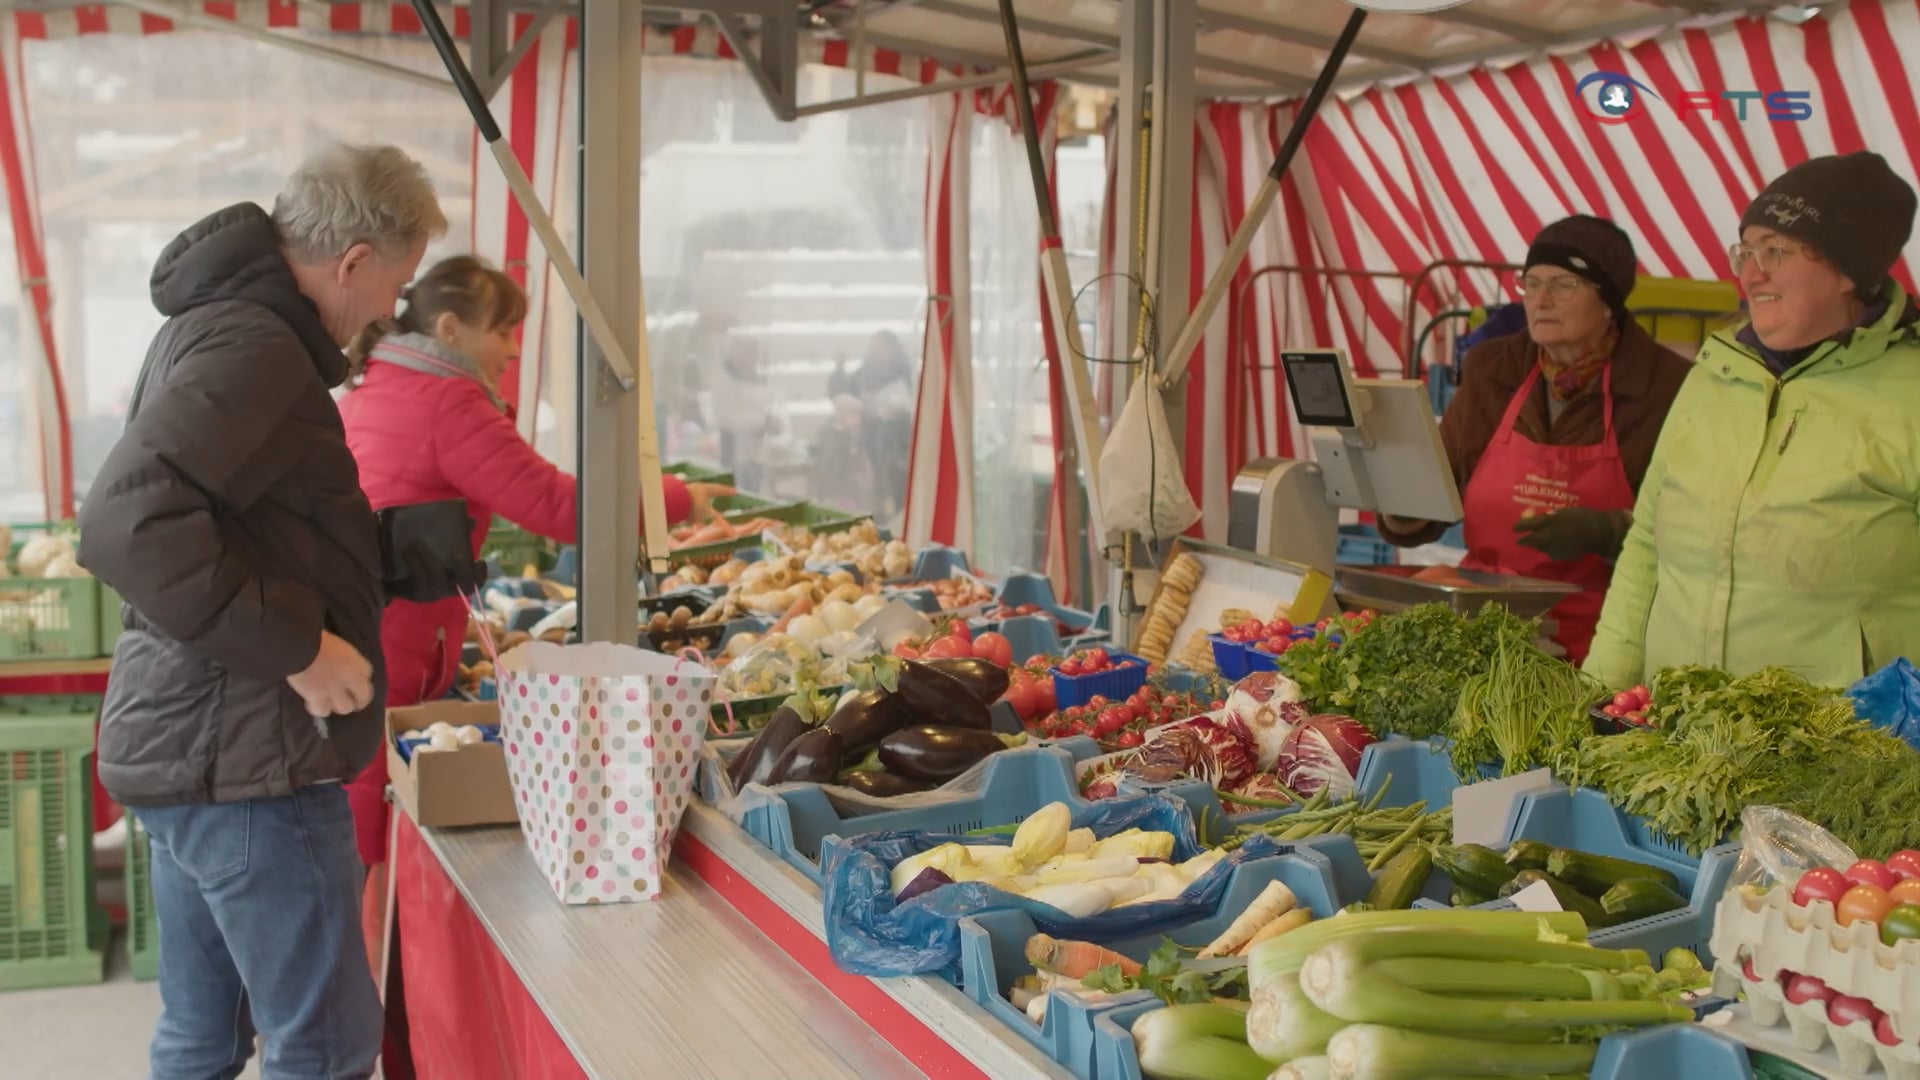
(718, 789)
(870, 933)
(1890, 699)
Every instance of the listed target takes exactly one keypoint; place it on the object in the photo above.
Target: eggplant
(813, 758)
(754, 764)
(935, 697)
(986, 680)
(936, 753)
(880, 785)
(867, 718)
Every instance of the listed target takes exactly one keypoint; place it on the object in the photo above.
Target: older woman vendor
(1554, 427)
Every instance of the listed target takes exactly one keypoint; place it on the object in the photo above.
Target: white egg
(437, 727)
(469, 735)
(413, 733)
(444, 739)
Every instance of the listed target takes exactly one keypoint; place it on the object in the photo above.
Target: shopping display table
(725, 975)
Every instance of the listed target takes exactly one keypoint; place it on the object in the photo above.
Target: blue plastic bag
(869, 933)
(1890, 698)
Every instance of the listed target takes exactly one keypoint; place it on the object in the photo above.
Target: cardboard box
(468, 786)
(1270, 588)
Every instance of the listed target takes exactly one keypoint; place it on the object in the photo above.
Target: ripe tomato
(1112, 720)
(949, 648)
(906, 650)
(1625, 701)
(994, 648)
(1820, 883)
(1869, 902)
(1070, 668)
(1904, 864)
(1872, 872)
(1130, 739)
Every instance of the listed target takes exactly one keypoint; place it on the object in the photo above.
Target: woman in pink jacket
(426, 422)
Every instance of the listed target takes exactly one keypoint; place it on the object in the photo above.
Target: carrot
(1274, 901)
(1075, 959)
(803, 607)
(1292, 920)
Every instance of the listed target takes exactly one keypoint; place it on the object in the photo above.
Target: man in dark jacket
(247, 683)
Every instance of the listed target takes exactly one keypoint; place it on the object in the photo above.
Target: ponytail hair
(465, 286)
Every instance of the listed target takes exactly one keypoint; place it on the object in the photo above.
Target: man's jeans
(259, 918)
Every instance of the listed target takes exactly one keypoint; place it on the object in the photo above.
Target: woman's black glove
(426, 551)
(1576, 531)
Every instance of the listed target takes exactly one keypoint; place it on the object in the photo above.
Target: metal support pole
(611, 46)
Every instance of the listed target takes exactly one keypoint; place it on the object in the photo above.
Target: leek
(1286, 953)
(1284, 1024)
(1196, 1042)
(1345, 979)
(1376, 1052)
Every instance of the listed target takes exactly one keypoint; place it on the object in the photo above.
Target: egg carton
(1779, 935)
(1854, 1045)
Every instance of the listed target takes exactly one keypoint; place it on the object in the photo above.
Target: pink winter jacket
(421, 436)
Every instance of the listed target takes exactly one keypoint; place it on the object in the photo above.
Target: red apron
(1518, 478)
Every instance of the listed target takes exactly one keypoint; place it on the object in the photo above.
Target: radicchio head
(1263, 708)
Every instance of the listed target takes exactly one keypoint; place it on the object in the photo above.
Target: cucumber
(1400, 881)
(1464, 897)
(1474, 868)
(1569, 898)
(1595, 874)
(1528, 854)
(1640, 898)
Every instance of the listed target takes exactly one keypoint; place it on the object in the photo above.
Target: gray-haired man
(248, 682)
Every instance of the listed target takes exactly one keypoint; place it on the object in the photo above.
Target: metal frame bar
(611, 46)
(1063, 66)
(198, 21)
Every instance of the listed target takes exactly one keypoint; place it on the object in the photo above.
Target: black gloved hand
(1576, 531)
(426, 551)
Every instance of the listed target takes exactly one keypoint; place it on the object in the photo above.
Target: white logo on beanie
(1787, 210)
(1578, 262)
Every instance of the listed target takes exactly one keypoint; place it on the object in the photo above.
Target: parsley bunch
(1168, 977)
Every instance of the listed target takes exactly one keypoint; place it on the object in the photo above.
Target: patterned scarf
(1568, 381)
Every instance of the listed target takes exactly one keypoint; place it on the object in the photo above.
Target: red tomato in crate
(1070, 668)
(949, 648)
(1820, 883)
(994, 648)
(1872, 872)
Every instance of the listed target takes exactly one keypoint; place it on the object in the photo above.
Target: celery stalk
(1436, 975)
(1377, 1052)
(1317, 1067)
(1341, 979)
(1196, 1042)
(1289, 951)
(1284, 1024)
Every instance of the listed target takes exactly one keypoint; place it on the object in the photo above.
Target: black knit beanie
(1595, 249)
(1852, 208)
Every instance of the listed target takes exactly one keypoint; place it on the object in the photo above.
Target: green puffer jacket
(1779, 523)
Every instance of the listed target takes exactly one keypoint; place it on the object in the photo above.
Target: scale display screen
(1319, 388)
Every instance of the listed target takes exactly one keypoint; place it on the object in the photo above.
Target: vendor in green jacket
(1779, 523)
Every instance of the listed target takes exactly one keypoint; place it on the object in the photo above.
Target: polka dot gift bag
(603, 747)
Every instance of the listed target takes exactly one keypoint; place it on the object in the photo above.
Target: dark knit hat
(1852, 208)
(1595, 249)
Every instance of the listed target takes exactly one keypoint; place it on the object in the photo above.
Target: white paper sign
(1481, 811)
(1537, 898)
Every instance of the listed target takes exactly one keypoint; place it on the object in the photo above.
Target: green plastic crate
(515, 548)
(143, 931)
(49, 618)
(110, 626)
(51, 931)
(698, 474)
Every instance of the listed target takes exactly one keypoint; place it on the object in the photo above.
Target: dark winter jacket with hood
(230, 519)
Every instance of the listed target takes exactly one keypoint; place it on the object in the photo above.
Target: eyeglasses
(1560, 288)
(1768, 256)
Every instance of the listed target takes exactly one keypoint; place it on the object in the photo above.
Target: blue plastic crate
(1671, 1052)
(1411, 770)
(1583, 819)
(1017, 783)
(1113, 684)
(1113, 1054)
(1360, 545)
(993, 954)
(939, 563)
